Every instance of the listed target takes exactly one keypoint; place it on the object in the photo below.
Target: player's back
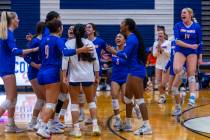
(50, 53)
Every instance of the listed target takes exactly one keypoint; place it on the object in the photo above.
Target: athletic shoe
(177, 111)
(191, 101)
(57, 123)
(162, 99)
(56, 130)
(117, 124)
(143, 130)
(82, 117)
(137, 111)
(31, 126)
(117, 121)
(127, 127)
(88, 121)
(108, 88)
(96, 130)
(43, 132)
(76, 133)
(13, 129)
(38, 124)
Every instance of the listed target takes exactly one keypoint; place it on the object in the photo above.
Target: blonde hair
(6, 18)
(190, 11)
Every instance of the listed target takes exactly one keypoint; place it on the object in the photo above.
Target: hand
(86, 49)
(165, 70)
(37, 66)
(105, 66)
(97, 80)
(200, 61)
(110, 49)
(65, 80)
(35, 49)
(194, 46)
(29, 37)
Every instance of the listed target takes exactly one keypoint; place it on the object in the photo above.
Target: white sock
(76, 125)
(44, 125)
(178, 105)
(95, 122)
(146, 123)
(50, 123)
(193, 94)
(33, 119)
(56, 117)
(117, 116)
(128, 121)
(11, 121)
(63, 112)
(81, 110)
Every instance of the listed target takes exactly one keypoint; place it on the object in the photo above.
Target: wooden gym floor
(165, 127)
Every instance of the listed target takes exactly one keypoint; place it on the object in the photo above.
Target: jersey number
(187, 36)
(46, 51)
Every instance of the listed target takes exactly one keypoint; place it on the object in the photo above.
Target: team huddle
(59, 67)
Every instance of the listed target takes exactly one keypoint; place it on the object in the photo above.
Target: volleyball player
(66, 102)
(83, 71)
(134, 54)
(119, 77)
(52, 48)
(161, 50)
(188, 38)
(100, 45)
(34, 61)
(8, 50)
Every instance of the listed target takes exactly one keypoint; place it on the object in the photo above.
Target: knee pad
(139, 101)
(191, 79)
(127, 100)
(39, 104)
(50, 106)
(175, 90)
(74, 107)
(115, 104)
(62, 97)
(6, 104)
(92, 105)
(81, 98)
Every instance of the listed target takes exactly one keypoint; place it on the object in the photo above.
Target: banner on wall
(21, 69)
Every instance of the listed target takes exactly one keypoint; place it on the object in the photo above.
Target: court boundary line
(108, 123)
(192, 130)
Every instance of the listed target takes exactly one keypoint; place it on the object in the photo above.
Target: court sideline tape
(108, 123)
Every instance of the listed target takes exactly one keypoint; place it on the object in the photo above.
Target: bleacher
(205, 20)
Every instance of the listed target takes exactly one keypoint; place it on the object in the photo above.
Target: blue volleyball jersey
(33, 57)
(100, 45)
(46, 32)
(170, 62)
(200, 49)
(190, 35)
(8, 51)
(119, 70)
(52, 49)
(130, 55)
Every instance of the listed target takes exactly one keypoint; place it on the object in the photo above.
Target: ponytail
(141, 51)
(194, 20)
(79, 32)
(132, 28)
(3, 26)
(6, 18)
